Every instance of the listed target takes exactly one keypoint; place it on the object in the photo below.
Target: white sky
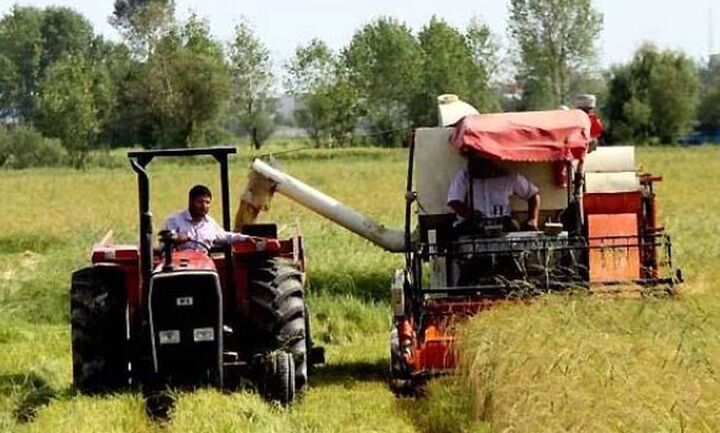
(284, 24)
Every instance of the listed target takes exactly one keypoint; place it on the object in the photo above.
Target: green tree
(143, 23)
(384, 62)
(67, 107)
(486, 64)
(457, 63)
(709, 113)
(112, 67)
(554, 39)
(252, 82)
(328, 103)
(31, 40)
(183, 89)
(654, 97)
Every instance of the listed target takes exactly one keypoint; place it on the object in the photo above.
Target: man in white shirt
(488, 196)
(196, 230)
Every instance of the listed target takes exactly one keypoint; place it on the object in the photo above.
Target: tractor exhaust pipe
(391, 240)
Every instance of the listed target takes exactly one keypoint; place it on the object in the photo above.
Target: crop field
(563, 363)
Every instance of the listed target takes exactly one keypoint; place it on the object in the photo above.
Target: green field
(560, 364)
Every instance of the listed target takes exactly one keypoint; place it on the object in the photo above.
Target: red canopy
(529, 136)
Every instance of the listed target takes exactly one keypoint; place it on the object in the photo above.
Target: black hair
(199, 191)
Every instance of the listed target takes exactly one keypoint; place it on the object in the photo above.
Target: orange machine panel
(612, 202)
(614, 251)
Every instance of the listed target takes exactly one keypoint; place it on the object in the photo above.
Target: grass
(578, 364)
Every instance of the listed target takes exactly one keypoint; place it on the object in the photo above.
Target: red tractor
(155, 317)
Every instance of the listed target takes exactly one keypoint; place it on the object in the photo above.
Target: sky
(284, 24)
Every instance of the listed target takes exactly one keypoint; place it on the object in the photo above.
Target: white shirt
(491, 196)
(206, 231)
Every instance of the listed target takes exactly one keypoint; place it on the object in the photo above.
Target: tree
(654, 97)
(143, 23)
(454, 63)
(709, 113)
(183, 89)
(384, 62)
(486, 64)
(67, 107)
(31, 40)
(252, 82)
(554, 39)
(327, 102)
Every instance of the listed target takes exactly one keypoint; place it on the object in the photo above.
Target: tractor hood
(189, 261)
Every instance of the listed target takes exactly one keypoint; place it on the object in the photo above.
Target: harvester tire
(277, 313)
(401, 383)
(98, 305)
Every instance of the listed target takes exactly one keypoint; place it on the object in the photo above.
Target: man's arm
(457, 193)
(460, 209)
(527, 190)
(223, 237)
(533, 211)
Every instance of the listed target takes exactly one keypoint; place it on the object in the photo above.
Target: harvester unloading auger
(598, 228)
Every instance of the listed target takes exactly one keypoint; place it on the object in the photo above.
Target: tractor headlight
(171, 336)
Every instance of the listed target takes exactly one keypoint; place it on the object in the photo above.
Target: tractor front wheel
(277, 313)
(279, 377)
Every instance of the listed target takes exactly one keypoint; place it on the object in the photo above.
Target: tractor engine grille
(185, 310)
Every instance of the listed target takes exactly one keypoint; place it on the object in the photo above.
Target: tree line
(65, 90)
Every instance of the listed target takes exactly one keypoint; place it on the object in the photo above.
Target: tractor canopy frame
(139, 161)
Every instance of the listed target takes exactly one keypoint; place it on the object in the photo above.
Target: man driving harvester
(487, 197)
(196, 230)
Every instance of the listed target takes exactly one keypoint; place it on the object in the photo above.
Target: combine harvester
(598, 227)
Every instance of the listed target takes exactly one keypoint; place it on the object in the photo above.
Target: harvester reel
(277, 313)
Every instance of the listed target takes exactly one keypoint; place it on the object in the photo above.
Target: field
(574, 363)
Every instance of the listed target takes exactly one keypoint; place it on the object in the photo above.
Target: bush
(23, 147)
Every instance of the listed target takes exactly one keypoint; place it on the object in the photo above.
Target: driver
(488, 196)
(195, 228)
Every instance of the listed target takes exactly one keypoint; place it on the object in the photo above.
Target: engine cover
(185, 311)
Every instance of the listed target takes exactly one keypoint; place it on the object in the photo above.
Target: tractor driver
(196, 230)
(488, 196)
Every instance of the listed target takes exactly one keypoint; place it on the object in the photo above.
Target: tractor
(152, 317)
(598, 232)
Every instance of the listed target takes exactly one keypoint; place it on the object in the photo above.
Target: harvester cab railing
(139, 161)
(524, 263)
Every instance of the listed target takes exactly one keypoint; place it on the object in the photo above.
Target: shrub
(23, 147)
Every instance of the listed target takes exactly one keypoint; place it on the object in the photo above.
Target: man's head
(586, 103)
(482, 168)
(199, 200)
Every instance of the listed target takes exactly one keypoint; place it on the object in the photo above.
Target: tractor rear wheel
(98, 304)
(277, 313)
